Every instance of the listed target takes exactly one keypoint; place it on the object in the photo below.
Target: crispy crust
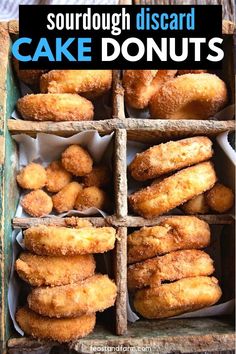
(172, 266)
(174, 190)
(189, 96)
(33, 176)
(77, 160)
(91, 197)
(61, 241)
(53, 271)
(182, 72)
(100, 176)
(197, 205)
(141, 85)
(37, 203)
(220, 198)
(55, 107)
(57, 329)
(57, 177)
(169, 157)
(65, 199)
(86, 297)
(89, 83)
(172, 234)
(173, 299)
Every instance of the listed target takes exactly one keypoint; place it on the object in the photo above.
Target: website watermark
(120, 349)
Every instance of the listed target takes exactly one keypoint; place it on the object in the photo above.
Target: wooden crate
(180, 335)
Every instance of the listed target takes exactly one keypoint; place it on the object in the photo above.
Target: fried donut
(37, 203)
(197, 205)
(184, 295)
(28, 77)
(77, 160)
(169, 157)
(57, 177)
(172, 234)
(33, 176)
(100, 176)
(189, 96)
(52, 271)
(91, 197)
(65, 199)
(86, 297)
(89, 83)
(220, 198)
(56, 329)
(63, 241)
(182, 72)
(172, 266)
(173, 191)
(140, 85)
(55, 107)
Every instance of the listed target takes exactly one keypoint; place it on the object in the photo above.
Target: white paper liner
(213, 250)
(46, 148)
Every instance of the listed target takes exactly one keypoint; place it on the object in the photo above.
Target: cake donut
(172, 266)
(57, 329)
(55, 107)
(140, 85)
(89, 83)
(189, 96)
(173, 191)
(181, 296)
(169, 157)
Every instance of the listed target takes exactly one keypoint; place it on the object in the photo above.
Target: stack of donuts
(172, 94)
(69, 183)
(66, 293)
(169, 274)
(181, 174)
(65, 94)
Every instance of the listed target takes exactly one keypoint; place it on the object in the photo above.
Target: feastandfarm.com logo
(120, 349)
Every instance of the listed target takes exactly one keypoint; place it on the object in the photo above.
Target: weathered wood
(118, 101)
(120, 174)
(121, 280)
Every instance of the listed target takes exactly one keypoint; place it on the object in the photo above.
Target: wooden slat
(120, 184)
(121, 281)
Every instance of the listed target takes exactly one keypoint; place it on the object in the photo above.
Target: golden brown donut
(57, 177)
(65, 199)
(77, 160)
(172, 234)
(86, 297)
(91, 197)
(189, 96)
(37, 203)
(63, 241)
(140, 85)
(56, 329)
(185, 295)
(172, 266)
(174, 190)
(100, 176)
(89, 83)
(220, 198)
(33, 176)
(169, 157)
(52, 271)
(197, 205)
(28, 77)
(55, 107)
